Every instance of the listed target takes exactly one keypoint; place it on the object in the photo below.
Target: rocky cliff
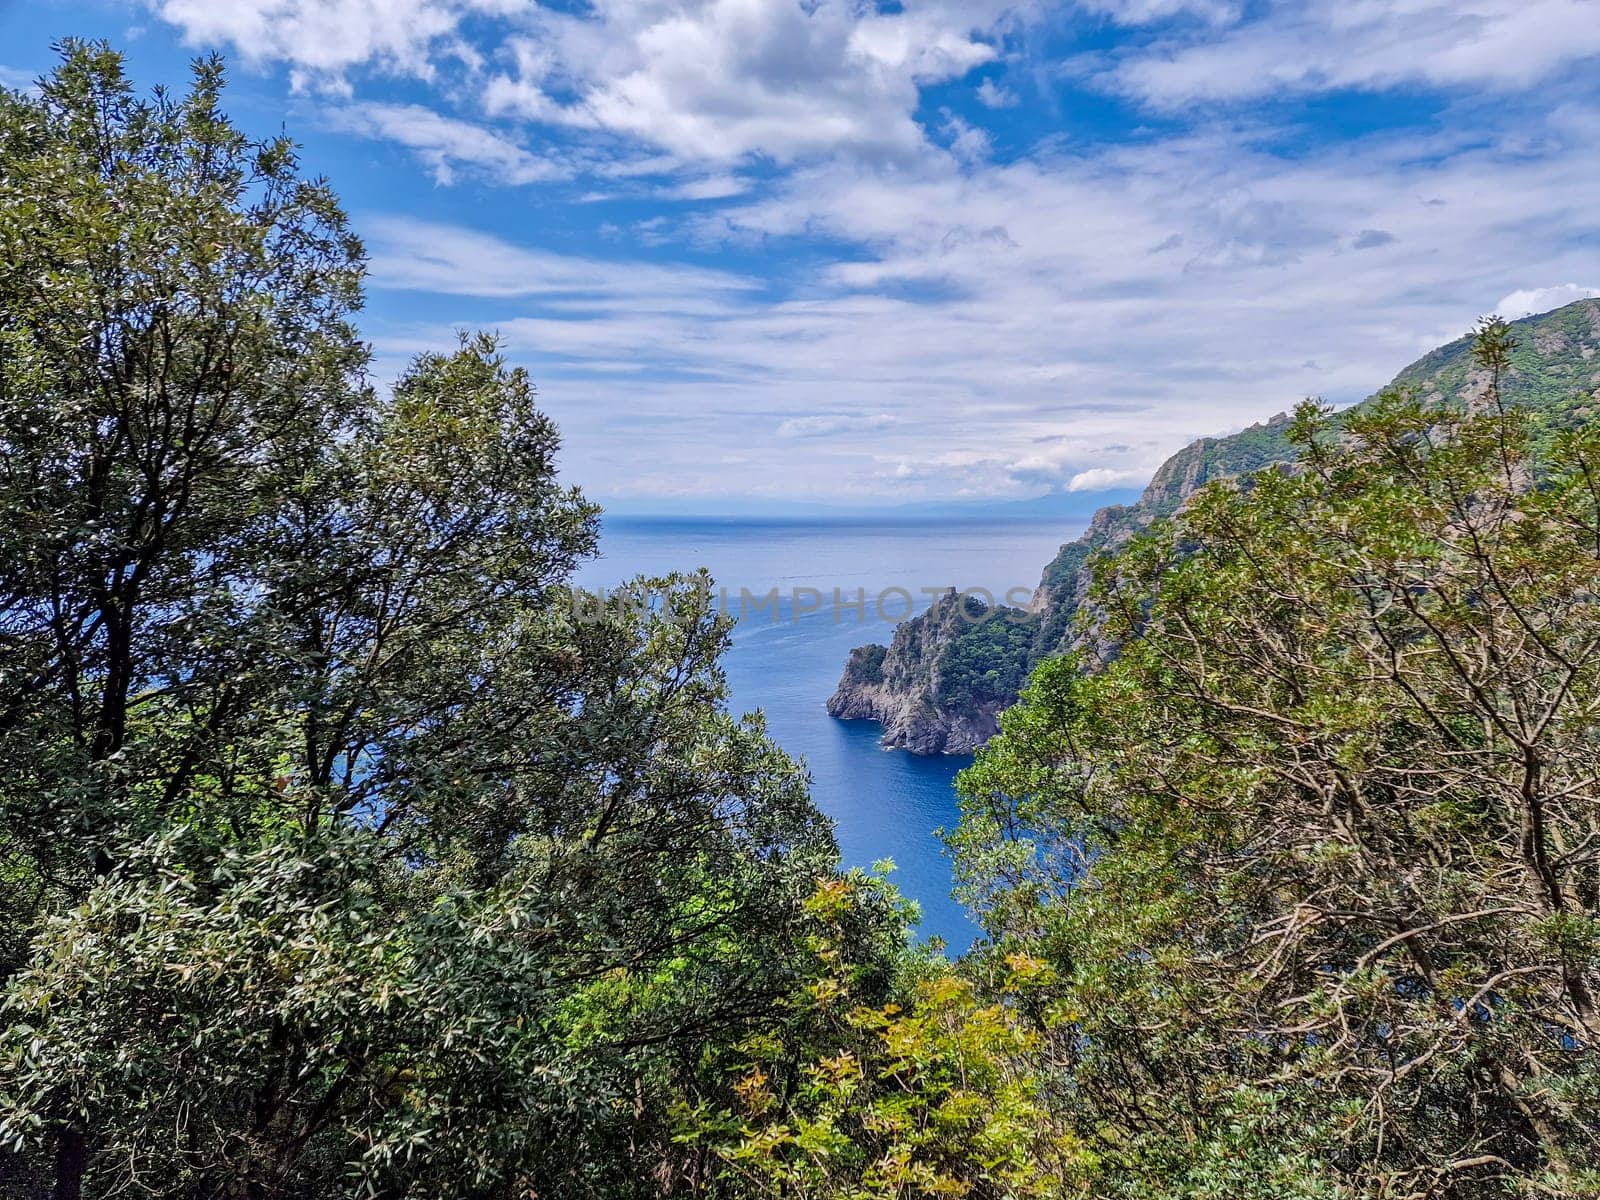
(941, 683)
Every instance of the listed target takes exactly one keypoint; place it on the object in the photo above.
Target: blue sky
(762, 251)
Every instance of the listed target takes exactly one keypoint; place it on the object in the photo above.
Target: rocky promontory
(939, 686)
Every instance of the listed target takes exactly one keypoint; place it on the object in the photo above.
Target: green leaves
(935, 1096)
(340, 857)
(1310, 857)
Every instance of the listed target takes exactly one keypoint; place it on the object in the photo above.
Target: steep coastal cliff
(947, 674)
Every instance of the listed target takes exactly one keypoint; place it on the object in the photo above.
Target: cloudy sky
(836, 250)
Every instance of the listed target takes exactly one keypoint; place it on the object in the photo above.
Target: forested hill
(941, 683)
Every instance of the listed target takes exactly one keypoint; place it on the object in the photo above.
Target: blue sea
(884, 804)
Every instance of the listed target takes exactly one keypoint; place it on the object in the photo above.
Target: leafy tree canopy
(1314, 860)
(339, 857)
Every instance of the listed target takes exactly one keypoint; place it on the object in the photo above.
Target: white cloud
(705, 80)
(721, 79)
(1529, 301)
(1372, 239)
(992, 95)
(708, 187)
(322, 39)
(1100, 479)
(967, 142)
(446, 145)
(826, 424)
(1143, 12)
(1014, 324)
(413, 255)
(1322, 45)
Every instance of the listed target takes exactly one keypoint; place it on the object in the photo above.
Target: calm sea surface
(885, 804)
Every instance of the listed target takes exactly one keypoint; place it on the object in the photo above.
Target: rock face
(942, 682)
(911, 725)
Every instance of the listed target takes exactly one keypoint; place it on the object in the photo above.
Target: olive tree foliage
(340, 856)
(1316, 859)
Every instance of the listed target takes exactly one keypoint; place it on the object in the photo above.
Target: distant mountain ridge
(945, 677)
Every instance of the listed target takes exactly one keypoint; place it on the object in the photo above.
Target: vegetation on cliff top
(986, 661)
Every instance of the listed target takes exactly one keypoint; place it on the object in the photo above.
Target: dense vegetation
(1314, 861)
(338, 859)
(986, 661)
(337, 856)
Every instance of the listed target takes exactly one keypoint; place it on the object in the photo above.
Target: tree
(345, 855)
(1315, 858)
(927, 1089)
